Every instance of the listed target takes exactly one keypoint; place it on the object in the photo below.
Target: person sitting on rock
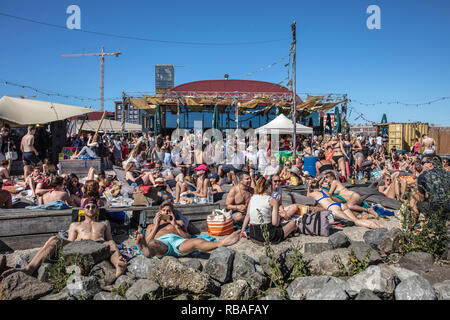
(338, 209)
(88, 229)
(168, 236)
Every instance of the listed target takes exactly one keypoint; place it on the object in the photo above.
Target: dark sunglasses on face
(89, 206)
(276, 181)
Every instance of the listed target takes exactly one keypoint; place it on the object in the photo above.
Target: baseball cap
(202, 167)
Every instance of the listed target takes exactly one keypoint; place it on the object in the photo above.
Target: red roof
(231, 86)
(95, 115)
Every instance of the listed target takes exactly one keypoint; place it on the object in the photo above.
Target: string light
(40, 91)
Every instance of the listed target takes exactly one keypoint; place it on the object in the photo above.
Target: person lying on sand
(88, 229)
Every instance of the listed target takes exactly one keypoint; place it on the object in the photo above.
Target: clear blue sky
(407, 60)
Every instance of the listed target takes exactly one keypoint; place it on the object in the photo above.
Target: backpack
(315, 224)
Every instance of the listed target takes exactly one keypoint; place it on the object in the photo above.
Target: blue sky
(406, 60)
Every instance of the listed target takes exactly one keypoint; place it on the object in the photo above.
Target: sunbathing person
(88, 229)
(4, 173)
(58, 192)
(353, 199)
(390, 187)
(168, 236)
(338, 209)
(263, 209)
(132, 175)
(239, 197)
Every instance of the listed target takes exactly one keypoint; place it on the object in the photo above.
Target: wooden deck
(24, 229)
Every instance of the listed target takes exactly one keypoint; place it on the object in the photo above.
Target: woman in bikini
(338, 154)
(353, 199)
(323, 165)
(338, 209)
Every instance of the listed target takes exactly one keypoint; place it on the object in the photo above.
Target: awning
(110, 125)
(283, 125)
(28, 112)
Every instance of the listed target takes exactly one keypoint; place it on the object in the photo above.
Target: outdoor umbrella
(328, 124)
(216, 118)
(337, 121)
(157, 122)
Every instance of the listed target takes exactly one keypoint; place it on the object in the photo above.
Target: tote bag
(220, 223)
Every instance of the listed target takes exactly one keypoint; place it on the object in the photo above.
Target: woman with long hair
(263, 210)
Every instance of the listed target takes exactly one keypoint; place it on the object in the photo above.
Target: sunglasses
(89, 207)
(277, 181)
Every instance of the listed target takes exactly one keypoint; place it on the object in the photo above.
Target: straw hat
(294, 170)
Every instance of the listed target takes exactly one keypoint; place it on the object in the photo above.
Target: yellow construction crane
(102, 62)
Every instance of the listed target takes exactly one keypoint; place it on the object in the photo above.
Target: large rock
(83, 288)
(402, 273)
(174, 276)
(20, 286)
(317, 247)
(325, 263)
(442, 290)
(220, 264)
(140, 266)
(62, 295)
(417, 261)
(379, 279)
(25, 258)
(85, 254)
(383, 240)
(283, 259)
(104, 295)
(363, 252)
(237, 290)
(244, 267)
(43, 273)
(105, 273)
(143, 289)
(124, 281)
(194, 264)
(339, 240)
(366, 294)
(415, 288)
(317, 288)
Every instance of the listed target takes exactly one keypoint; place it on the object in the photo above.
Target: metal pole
(124, 98)
(294, 95)
(102, 86)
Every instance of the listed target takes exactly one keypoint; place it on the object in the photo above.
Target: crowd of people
(254, 177)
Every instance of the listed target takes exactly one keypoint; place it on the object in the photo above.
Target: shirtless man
(239, 197)
(88, 229)
(168, 236)
(57, 193)
(29, 152)
(428, 144)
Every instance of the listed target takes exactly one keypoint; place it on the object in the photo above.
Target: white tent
(110, 125)
(284, 126)
(24, 112)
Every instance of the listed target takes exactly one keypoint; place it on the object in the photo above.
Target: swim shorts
(29, 158)
(172, 241)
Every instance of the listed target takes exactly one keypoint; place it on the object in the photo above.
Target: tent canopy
(27, 112)
(110, 125)
(284, 126)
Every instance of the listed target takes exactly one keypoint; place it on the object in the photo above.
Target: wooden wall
(441, 136)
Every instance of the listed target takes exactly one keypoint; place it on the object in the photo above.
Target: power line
(139, 38)
(47, 93)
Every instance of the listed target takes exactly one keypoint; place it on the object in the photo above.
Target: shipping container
(401, 135)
